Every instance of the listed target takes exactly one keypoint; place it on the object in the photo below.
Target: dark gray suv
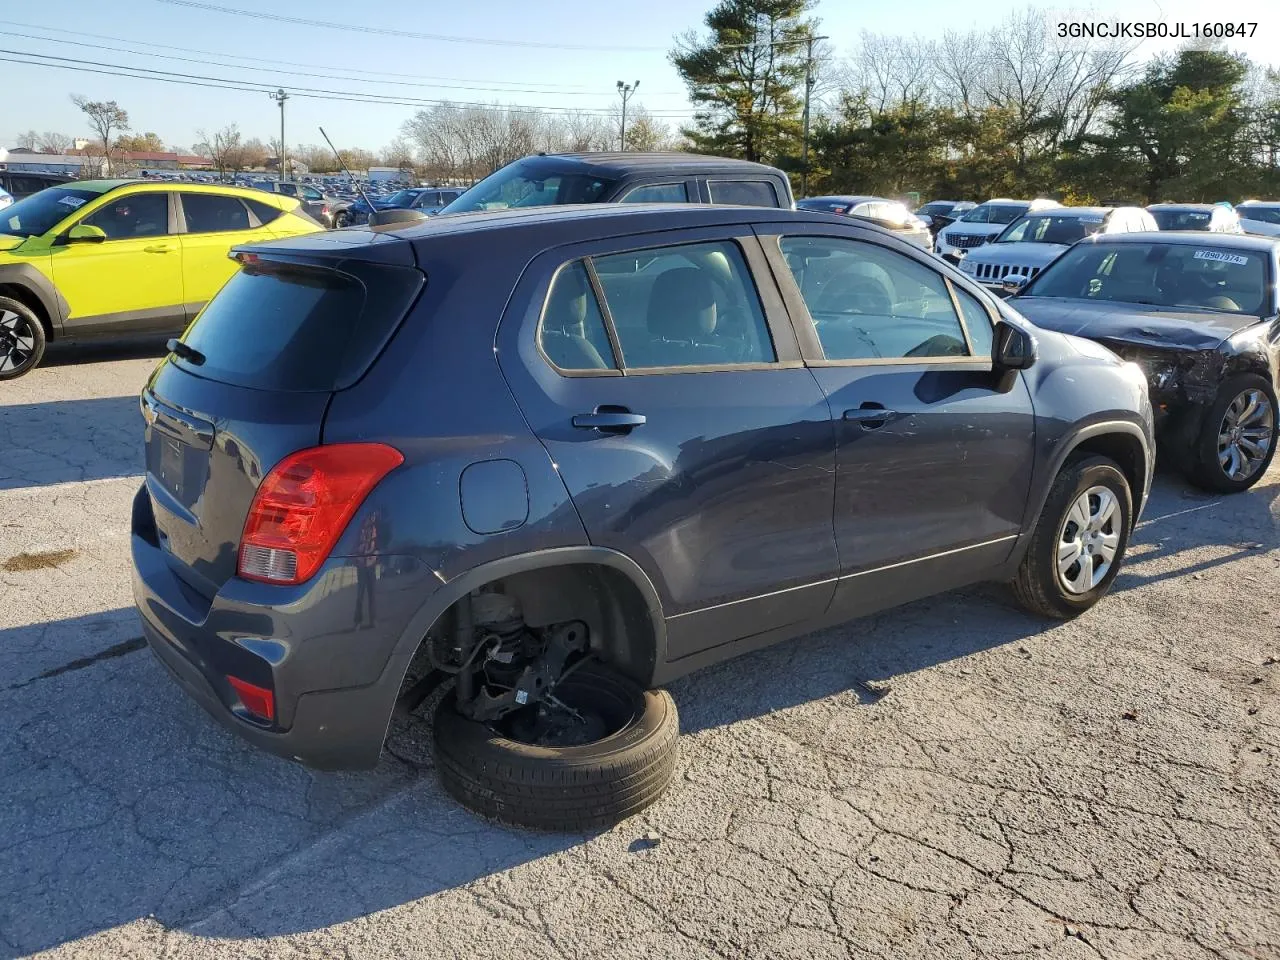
(562, 456)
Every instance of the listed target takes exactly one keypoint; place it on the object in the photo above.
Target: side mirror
(1014, 347)
(1013, 283)
(395, 217)
(86, 233)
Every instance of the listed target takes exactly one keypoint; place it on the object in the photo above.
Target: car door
(212, 224)
(131, 282)
(934, 448)
(666, 384)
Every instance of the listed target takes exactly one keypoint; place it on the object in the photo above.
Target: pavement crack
(121, 649)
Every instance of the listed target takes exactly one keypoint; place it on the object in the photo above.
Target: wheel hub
(1246, 434)
(1089, 540)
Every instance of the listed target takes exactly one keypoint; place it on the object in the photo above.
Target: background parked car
(1200, 314)
(983, 224)
(627, 178)
(1211, 217)
(1031, 243)
(940, 213)
(1260, 217)
(428, 200)
(887, 214)
(106, 258)
(20, 185)
(571, 537)
(317, 205)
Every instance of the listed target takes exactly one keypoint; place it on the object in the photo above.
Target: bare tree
(53, 142)
(224, 148)
(28, 141)
(107, 119)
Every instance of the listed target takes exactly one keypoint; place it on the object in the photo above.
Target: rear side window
(263, 211)
(286, 327)
(572, 333)
(743, 193)
(682, 306)
(209, 213)
(658, 193)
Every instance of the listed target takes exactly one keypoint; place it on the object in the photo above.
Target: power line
(310, 93)
(328, 74)
(392, 32)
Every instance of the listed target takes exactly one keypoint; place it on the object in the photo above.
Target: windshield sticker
(75, 203)
(1091, 220)
(1219, 257)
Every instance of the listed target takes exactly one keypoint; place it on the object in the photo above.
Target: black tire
(1203, 468)
(341, 219)
(1038, 587)
(572, 788)
(22, 339)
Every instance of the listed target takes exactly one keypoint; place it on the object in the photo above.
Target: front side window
(869, 303)
(658, 193)
(977, 322)
(683, 306)
(311, 193)
(743, 193)
(209, 213)
(288, 189)
(131, 216)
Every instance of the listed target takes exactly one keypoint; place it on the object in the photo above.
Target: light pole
(626, 91)
(280, 97)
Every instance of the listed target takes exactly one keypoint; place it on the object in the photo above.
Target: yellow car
(106, 258)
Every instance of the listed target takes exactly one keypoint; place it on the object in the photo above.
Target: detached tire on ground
(564, 788)
(1079, 541)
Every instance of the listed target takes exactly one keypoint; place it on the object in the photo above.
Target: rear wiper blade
(180, 349)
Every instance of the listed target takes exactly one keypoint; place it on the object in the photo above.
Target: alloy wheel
(1089, 539)
(1246, 434)
(17, 341)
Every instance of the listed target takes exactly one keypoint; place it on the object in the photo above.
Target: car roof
(1196, 207)
(620, 164)
(849, 198)
(1197, 238)
(1258, 203)
(106, 186)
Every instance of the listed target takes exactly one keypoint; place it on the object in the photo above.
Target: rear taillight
(303, 505)
(259, 701)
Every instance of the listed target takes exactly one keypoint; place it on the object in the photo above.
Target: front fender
(28, 278)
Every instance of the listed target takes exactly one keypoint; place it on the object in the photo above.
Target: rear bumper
(335, 681)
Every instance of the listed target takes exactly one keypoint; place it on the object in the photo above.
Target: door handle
(609, 419)
(870, 416)
(157, 248)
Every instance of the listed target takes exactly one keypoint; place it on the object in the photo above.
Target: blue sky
(610, 42)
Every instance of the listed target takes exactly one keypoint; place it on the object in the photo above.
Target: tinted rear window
(293, 328)
(743, 193)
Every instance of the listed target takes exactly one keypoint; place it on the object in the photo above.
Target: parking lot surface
(954, 779)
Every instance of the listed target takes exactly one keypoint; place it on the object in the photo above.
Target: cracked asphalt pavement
(954, 779)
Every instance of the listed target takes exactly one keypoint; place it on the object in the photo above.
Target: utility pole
(808, 92)
(626, 91)
(280, 97)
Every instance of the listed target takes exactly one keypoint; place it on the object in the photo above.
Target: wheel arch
(27, 285)
(604, 587)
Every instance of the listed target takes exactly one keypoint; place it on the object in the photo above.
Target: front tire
(22, 339)
(1237, 440)
(341, 219)
(1079, 541)
(570, 788)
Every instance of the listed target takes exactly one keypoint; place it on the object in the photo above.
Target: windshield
(401, 198)
(994, 213)
(525, 184)
(1181, 219)
(935, 208)
(1263, 214)
(1159, 274)
(41, 212)
(1046, 228)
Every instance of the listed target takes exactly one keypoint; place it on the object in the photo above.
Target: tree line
(1010, 111)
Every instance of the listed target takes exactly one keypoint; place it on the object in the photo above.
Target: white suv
(983, 224)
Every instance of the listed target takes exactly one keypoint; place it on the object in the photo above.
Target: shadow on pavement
(120, 799)
(101, 351)
(62, 441)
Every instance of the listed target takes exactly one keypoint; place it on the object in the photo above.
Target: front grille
(967, 241)
(998, 271)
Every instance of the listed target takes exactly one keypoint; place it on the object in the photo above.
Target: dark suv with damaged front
(1200, 313)
(562, 456)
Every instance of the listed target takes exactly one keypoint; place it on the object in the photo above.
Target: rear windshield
(297, 328)
(527, 184)
(1181, 219)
